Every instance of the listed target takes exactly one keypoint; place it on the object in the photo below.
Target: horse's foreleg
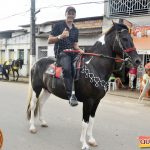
(92, 140)
(32, 119)
(85, 123)
(43, 97)
(13, 75)
(83, 136)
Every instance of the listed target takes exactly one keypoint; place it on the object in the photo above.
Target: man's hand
(64, 34)
(76, 46)
(81, 51)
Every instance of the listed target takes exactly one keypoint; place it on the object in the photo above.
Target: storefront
(141, 39)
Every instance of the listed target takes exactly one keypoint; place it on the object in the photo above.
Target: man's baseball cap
(70, 8)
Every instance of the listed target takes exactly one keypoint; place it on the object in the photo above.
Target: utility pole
(32, 35)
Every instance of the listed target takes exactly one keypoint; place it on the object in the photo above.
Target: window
(21, 54)
(11, 55)
(42, 51)
(2, 59)
(129, 7)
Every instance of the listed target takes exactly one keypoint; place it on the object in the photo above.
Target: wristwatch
(59, 37)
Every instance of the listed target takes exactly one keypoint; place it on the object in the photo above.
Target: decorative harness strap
(93, 79)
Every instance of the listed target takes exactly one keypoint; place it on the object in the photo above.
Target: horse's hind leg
(34, 108)
(17, 71)
(43, 97)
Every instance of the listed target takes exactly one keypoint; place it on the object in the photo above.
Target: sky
(14, 13)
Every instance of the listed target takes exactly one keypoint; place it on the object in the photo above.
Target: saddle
(56, 71)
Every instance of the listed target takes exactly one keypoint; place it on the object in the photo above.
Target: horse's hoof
(33, 131)
(44, 125)
(92, 142)
(86, 147)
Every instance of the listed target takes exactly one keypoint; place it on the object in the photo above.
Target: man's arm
(53, 39)
(76, 46)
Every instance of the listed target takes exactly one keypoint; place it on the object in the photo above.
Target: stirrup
(73, 100)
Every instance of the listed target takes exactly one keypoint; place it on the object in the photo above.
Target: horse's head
(122, 43)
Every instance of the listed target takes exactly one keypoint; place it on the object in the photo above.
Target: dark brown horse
(14, 67)
(94, 76)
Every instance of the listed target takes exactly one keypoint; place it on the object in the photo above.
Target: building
(15, 44)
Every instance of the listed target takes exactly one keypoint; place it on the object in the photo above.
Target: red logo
(144, 141)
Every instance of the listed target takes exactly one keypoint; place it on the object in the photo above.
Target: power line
(75, 4)
(52, 6)
(13, 15)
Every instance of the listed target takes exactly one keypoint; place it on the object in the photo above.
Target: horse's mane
(95, 47)
(118, 27)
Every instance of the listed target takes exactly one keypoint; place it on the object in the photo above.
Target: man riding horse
(65, 36)
(92, 83)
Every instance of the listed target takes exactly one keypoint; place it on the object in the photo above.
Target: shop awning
(142, 44)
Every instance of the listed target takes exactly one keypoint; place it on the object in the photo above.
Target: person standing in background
(132, 75)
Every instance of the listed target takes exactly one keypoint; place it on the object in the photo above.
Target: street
(119, 122)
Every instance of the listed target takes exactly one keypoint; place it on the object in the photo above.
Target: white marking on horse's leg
(83, 136)
(32, 120)
(91, 140)
(43, 97)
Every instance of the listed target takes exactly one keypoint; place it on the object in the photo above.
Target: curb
(122, 95)
(20, 80)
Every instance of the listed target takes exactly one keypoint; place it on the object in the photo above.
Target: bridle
(96, 79)
(125, 51)
(125, 54)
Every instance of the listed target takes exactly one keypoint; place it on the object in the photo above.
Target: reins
(93, 54)
(125, 52)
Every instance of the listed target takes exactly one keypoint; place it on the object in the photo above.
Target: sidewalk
(20, 80)
(129, 94)
(126, 93)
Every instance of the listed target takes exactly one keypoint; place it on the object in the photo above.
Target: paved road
(119, 121)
